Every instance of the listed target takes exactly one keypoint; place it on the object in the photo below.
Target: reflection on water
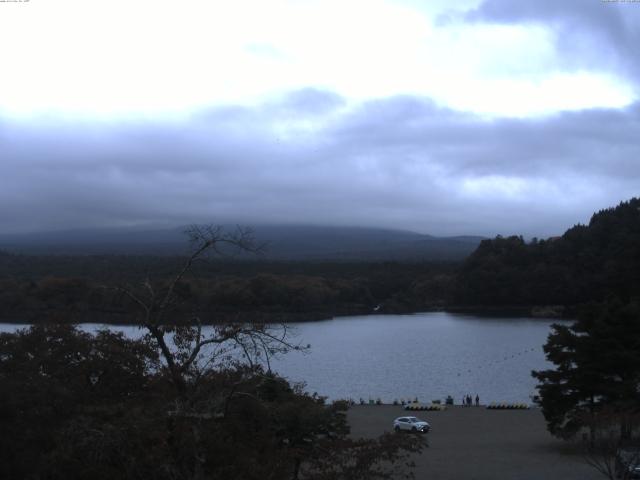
(428, 355)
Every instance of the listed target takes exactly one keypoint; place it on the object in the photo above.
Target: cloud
(591, 35)
(173, 57)
(309, 157)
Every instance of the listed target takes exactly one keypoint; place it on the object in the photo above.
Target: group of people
(467, 401)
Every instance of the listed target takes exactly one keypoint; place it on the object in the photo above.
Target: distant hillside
(588, 263)
(283, 243)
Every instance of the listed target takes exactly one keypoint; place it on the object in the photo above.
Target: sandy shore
(480, 444)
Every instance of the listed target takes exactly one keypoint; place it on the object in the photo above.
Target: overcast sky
(496, 117)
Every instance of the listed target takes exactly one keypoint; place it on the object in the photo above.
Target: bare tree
(188, 352)
(185, 349)
(203, 416)
(613, 443)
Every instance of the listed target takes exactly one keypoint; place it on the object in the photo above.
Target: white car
(411, 424)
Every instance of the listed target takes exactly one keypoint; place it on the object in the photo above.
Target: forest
(587, 263)
(82, 288)
(100, 405)
(177, 403)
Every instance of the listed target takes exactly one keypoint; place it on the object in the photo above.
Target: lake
(425, 355)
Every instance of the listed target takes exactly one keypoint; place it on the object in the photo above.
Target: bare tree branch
(189, 343)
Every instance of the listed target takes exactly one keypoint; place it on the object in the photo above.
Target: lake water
(425, 355)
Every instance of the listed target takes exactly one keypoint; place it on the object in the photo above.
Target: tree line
(99, 405)
(588, 263)
(176, 403)
(593, 391)
(36, 289)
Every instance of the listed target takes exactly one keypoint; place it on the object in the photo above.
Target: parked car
(628, 463)
(411, 424)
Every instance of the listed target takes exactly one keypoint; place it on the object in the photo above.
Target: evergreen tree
(597, 363)
(588, 263)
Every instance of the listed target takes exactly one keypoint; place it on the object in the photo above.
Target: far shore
(216, 318)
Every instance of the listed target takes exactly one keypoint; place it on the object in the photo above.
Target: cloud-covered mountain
(281, 243)
(492, 117)
(397, 163)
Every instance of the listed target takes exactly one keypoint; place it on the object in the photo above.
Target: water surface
(428, 355)
(425, 355)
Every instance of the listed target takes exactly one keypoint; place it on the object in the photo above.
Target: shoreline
(218, 318)
(480, 444)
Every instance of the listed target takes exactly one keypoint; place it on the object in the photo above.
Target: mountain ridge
(284, 242)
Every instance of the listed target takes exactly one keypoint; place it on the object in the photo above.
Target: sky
(474, 117)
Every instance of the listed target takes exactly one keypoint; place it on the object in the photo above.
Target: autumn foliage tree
(181, 402)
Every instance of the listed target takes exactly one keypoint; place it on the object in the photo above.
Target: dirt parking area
(479, 444)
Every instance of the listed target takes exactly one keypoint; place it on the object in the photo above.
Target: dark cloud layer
(588, 33)
(308, 158)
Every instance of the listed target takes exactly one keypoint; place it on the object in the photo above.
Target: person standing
(477, 400)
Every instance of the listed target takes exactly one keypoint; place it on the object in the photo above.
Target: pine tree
(597, 362)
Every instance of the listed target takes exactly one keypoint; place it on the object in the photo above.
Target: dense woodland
(79, 288)
(588, 263)
(177, 403)
(103, 406)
